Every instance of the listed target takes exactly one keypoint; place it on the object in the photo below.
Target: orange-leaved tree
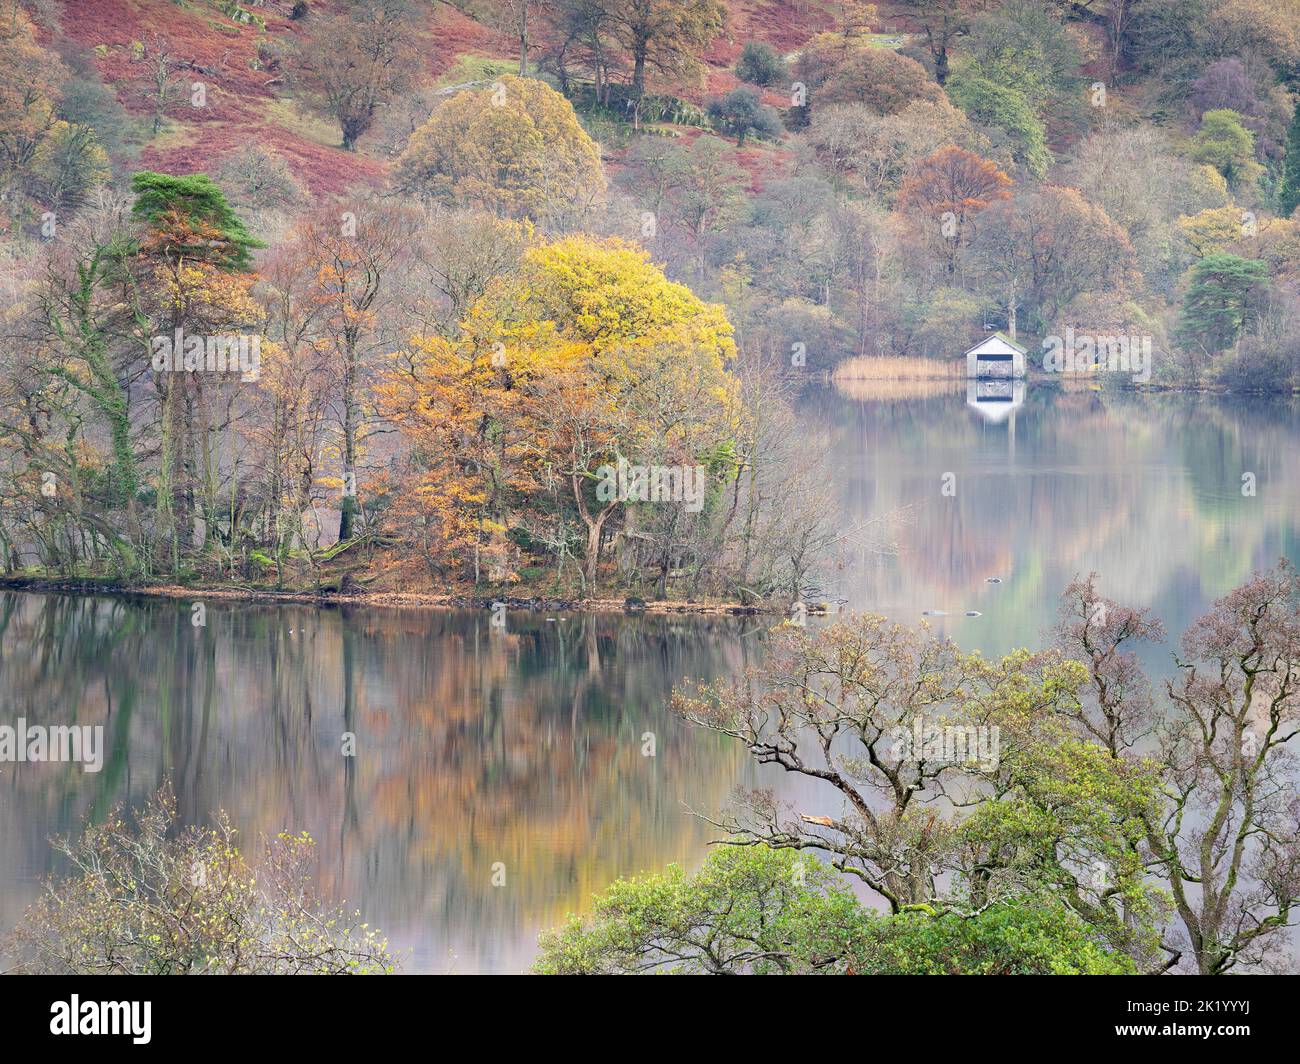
(584, 354)
(950, 187)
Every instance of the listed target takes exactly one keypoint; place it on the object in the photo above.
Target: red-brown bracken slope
(251, 101)
(241, 91)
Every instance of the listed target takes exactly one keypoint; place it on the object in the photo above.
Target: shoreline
(393, 599)
(1064, 381)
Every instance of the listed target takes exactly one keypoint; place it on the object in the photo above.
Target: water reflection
(475, 746)
(996, 398)
(1146, 490)
(525, 747)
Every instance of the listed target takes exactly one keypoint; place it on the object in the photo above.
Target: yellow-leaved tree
(514, 148)
(584, 354)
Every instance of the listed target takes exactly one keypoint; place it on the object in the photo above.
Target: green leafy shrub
(759, 64)
(759, 911)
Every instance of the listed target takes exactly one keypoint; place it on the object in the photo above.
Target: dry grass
(899, 368)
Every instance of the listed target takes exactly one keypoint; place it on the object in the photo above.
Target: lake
(527, 751)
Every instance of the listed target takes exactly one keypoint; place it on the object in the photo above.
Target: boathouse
(998, 356)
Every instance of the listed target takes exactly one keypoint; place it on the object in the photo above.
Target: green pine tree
(196, 199)
(1221, 301)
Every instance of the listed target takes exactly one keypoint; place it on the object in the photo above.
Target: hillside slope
(250, 98)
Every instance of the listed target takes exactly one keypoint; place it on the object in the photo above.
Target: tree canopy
(216, 232)
(754, 910)
(515, 147)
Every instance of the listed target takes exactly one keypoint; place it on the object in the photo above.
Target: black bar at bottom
(337, 1014)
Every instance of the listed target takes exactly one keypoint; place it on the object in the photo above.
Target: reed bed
(899, 368)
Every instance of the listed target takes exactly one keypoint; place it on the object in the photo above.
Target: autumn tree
(582, 37)
(1253, 27)
(178, 208)
(876, 151)
(950, 188)
(864, 677)
(86, 100)
(514, 148)
(353, 256)
(663, 37)
(759, 64)
(1024, 44)
(459, 402)
(160, 83)
(585, 353)
(517, 18)
(839, 70)
(290, 427)
(455, 257)
(1289, 196)
(196, 253)
(356, 61)
(1225, 83)
(1213, 230)
(1145, 185)
(257, 178)
(702, 194)
(899, 815)
(1045, 246)
(77, 386)
(654, 363)
(67, 166)
(1224, 836)
(144, 895)
(1006, 112)
(29, 89)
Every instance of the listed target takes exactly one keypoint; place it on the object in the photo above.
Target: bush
(1259, 367)
(742, 113)
(153, 899)
(759, 64)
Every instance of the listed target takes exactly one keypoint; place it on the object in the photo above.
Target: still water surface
(525, 747)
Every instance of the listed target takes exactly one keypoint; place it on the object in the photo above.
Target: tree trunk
(523, 39)
(941, 65)
(640, 47)
(348, 507)
(594, 529)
